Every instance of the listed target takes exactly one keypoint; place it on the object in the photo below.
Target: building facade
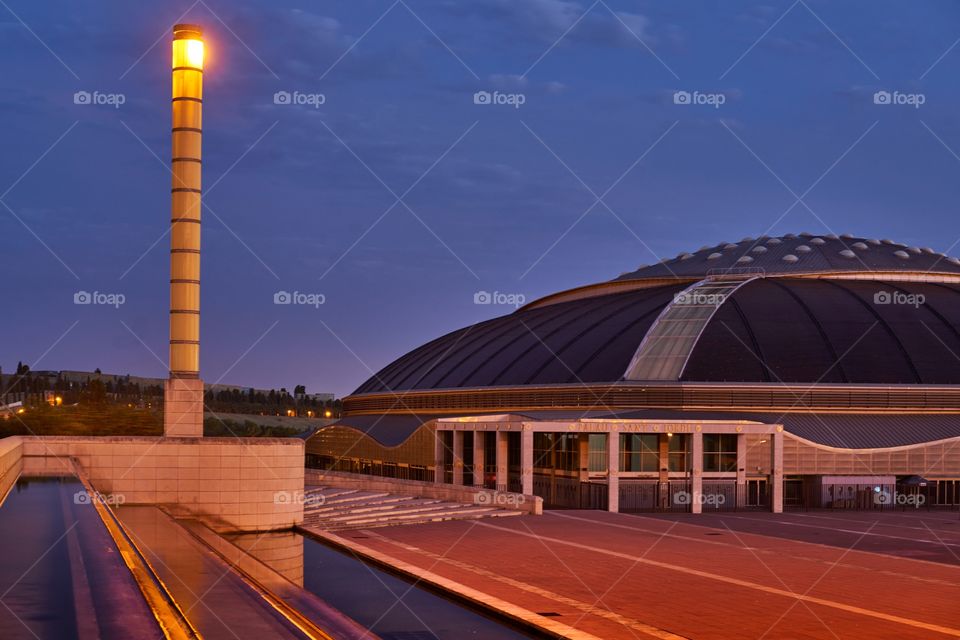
(771, 373)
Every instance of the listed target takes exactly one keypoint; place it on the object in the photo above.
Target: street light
(183, 408)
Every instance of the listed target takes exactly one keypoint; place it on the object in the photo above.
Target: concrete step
(327, 492)
(392, 513)
(353, 497)
(328, 507)
(440, 517)
(358, 507)
(430, 513)
(337, 509)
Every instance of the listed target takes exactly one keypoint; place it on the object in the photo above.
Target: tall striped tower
(183, 400)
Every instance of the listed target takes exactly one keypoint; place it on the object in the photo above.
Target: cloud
(545, 21)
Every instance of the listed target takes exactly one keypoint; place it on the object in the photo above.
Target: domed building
(797, 371)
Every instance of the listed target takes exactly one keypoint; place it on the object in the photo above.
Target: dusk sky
(492, 197)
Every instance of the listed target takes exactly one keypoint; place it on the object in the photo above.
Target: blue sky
(493, 197)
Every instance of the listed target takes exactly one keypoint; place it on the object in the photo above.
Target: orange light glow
(327, 413)
(188, 53)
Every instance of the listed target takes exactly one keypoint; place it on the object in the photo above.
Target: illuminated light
(21, 410)
(188, 53)
(188, 46)
(327, 414)
(669, 434)
(195, 53)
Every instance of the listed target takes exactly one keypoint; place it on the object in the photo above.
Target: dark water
(388, 605)
(36, 590)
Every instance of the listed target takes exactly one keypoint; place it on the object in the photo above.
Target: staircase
(337, 509)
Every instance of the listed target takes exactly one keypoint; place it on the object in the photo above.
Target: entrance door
(757, 493)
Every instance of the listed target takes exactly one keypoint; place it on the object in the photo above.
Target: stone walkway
(335, 509)
(628, 576)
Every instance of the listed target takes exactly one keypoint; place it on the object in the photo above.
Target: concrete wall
(11, 452)
(527, 503)
(251, 484)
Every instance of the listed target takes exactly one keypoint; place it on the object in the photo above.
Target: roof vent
(860, 245)
(686, 256)
(874, 242)
(817, 241)
(790, 235)
(915, 250)
(774, 241)
(803, 249)
(744, 259)
(759, 249)
(903, 255)
(887, 241)
(846, 236)
(790, 258)
(704, 248)
(846, 253)
(805, 234)
(929, 250)
(714, 256)
(747, 239)
(955, 261)
(832, 236)
(729, 245)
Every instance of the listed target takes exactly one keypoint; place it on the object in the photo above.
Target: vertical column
(613, 471)
(741, 495)
(696, 472)
(502, 455)
(776, 471)
(479, 458)
(526, 462)
(439, 474)
(663, 467)
(183, 397)
(458, 437)
(583, 455)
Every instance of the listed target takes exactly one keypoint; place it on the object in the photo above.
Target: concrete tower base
(183, 408)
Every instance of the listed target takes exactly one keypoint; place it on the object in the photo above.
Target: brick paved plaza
(740, 575)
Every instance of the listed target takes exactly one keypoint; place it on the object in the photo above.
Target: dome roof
(799, 254)
(819, 317)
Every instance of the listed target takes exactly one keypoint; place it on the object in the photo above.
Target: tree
(95, 393)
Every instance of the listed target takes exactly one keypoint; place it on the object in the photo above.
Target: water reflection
(35, 577)
(389, 606)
